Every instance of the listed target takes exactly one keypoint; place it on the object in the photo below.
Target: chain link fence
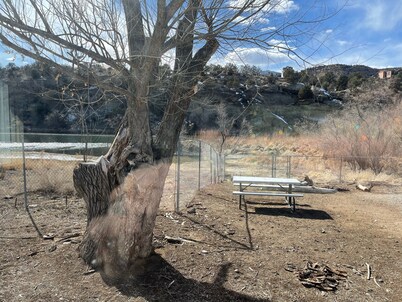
(321, 169)
(195, 165)
(47, 162)
(50, 160)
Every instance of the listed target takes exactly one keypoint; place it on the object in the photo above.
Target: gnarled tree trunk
(122, 192)
(123, 189)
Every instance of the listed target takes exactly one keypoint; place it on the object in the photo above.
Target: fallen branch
(65, 238)
(178, 240)
(364, 188)
(312, 189)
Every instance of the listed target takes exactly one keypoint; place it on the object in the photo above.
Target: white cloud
(256, 56)
(342, 42)
(269, 28)
(329, 31)
(274, 6)
(283, 6)
(253, 20)
(380, 15)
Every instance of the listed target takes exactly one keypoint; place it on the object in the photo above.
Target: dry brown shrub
(365, 139)
(54, 176)
(12, 164)
(56, 181)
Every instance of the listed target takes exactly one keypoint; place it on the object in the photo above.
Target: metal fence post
(223, 166)
(215, 166)
(288, 166)
(177, 201)
(199, 164)
(273, 165)
(24, 173)
(210, 162)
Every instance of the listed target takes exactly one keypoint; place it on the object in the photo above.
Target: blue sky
(367, 32)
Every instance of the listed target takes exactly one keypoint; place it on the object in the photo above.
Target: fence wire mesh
(49, 167)
(50, 161)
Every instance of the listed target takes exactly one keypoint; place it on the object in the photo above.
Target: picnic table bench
(269, 186)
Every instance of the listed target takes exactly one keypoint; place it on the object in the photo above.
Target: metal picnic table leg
(292, 202)
(240, 196)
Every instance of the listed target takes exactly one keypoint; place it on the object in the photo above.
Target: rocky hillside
(228, 98)
(341, 69)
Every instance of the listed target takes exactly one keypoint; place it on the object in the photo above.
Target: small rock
(191, 211)
(8, 197)
(231, 232)
(204, 252)
(49, 236)
(52, 248)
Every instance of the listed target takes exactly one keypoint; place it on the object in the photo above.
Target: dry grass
(252, 155)
(57, 179)
(276, 143)
(364, 138)
(47, 175)
(245, 155)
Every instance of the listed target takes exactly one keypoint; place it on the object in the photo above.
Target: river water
(71, 144)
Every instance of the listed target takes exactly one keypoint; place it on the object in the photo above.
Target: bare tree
(122, 190)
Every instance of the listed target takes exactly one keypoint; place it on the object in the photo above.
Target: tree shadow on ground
(300, 213)
(162, 282)
(237, 244)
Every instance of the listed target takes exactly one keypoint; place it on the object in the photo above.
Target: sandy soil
(348, 231)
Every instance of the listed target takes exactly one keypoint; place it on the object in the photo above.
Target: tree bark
(123, 189)
(122, 195)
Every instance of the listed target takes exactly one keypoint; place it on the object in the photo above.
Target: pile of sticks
(320, 276)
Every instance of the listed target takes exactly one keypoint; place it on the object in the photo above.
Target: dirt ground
(209, 257)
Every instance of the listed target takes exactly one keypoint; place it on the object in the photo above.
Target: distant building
(385, 74)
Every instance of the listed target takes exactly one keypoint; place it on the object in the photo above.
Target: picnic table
(266, 186)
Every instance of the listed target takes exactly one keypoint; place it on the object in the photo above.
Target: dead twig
(320, 276)
(89, 272)
(368, 271)
(65, 238)
(375, 281)
(179, 240)
(17, 238)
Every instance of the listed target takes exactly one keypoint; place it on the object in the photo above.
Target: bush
(342, 82)
(290, 75)
(355, 80)
(364, 139)
(396, 83)
(305, 93)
